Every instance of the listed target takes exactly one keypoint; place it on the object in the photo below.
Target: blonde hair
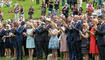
(9, 26)
(54, 24)
(31, 25)
(86, 24)
(95, 20)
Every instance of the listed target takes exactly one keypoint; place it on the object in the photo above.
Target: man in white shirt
(1, 3)
(80, 3)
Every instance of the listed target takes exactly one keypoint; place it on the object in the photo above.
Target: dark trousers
(24, 44)
(63, 2)
(45, 48)
(100, 2)
(25, 50)
(31, 16)
(94, 3)
(68, 1)
(12, 49)
(74, 3)
(77, 48)
(71, 4)
(1, 49)
(41, 46)
(37, 1)
(71, 50)
(19, 50)
(101, 52)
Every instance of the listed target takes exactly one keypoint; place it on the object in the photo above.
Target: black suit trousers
(41, 46)
(101, 49)
(1, 49)
(77, 48)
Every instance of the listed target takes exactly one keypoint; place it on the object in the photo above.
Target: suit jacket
(69, 30)
(37, 32)
(41, 35)
(13, 39)
(71, 1)
(19, 33)
(75, 31)
(100, 34)
(1, 35)
(75, 1)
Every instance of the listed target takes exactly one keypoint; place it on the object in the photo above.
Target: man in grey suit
(100, 37)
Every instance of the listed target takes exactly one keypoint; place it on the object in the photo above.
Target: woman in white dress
(30, 44)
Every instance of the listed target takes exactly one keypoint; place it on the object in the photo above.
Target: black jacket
(41, 34)
(100, 34)
(2, 33)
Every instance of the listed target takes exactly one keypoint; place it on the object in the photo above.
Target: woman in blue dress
(30, 44)
(54, 42)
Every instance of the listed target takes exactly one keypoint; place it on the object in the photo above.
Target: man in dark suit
(38, 41)
(41, 41)
(100, 38)
(76, 42)
(1, 41)
(19, 39)
(69, 39)
(24, 40)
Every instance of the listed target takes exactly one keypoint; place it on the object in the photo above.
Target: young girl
(54, 42)
(30, 40)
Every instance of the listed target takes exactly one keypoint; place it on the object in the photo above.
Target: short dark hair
(100, 17)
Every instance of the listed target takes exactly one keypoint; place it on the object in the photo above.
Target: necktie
(99, 27)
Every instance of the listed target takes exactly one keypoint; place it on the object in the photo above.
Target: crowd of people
(5, 2)
(70, 35)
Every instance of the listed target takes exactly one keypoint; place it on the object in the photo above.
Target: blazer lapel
(102, 26)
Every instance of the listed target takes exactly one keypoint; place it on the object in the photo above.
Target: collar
(102, 22)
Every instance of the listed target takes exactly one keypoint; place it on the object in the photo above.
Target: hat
(48, 19)
(95, 14)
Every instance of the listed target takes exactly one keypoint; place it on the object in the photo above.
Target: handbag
(85, 45)
(50, 57)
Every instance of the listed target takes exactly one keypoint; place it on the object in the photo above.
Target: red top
(90, 9)
(75, 9)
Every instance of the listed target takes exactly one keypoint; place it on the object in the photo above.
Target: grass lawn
(26, 4)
